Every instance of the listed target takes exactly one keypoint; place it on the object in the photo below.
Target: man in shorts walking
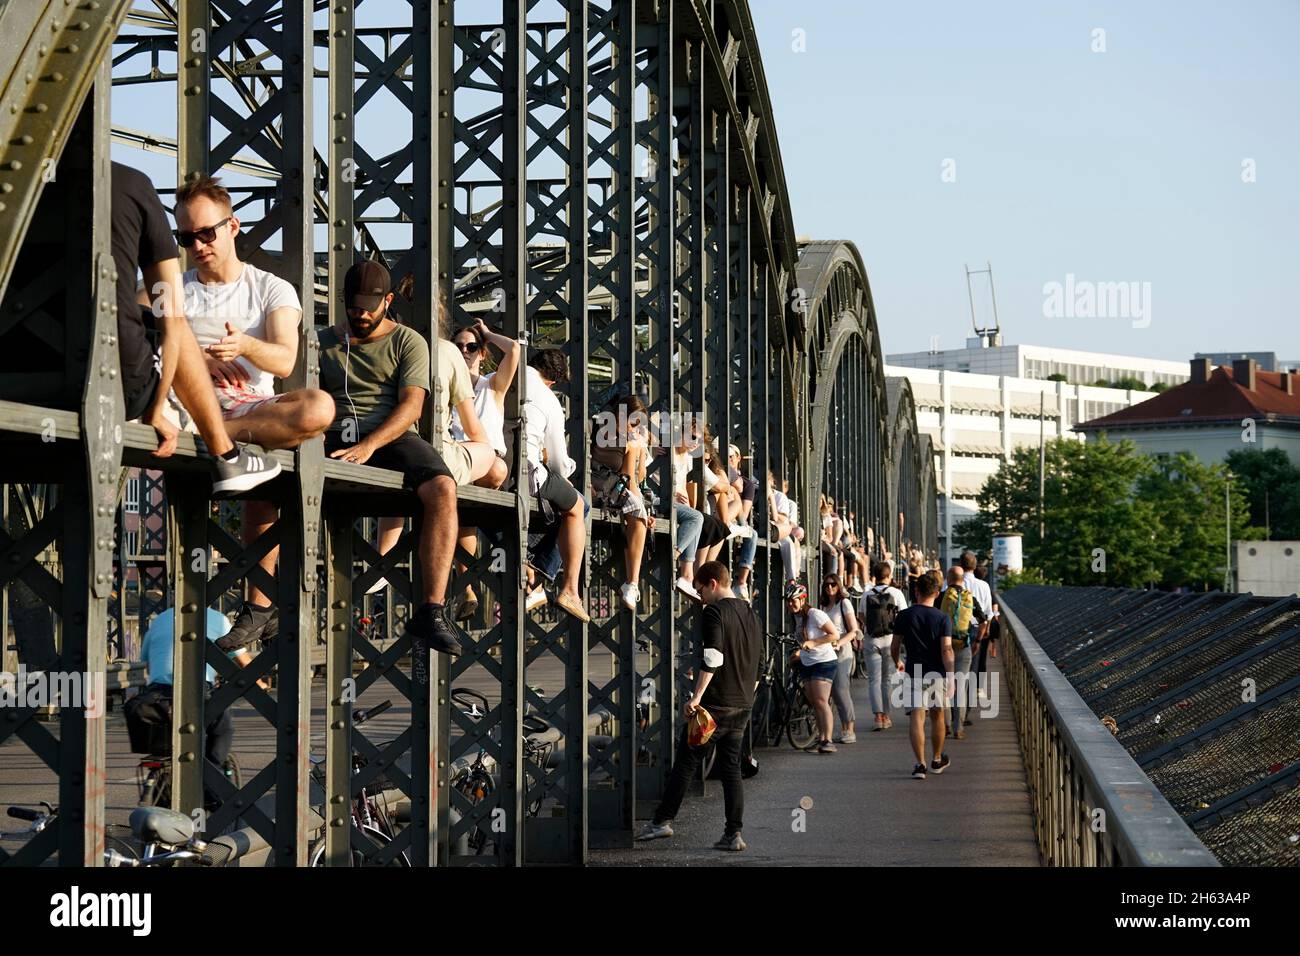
(926, 633)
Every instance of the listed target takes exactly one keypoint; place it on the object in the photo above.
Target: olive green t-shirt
(376, 372)
(366, 379)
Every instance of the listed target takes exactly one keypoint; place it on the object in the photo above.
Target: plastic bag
(701, 728)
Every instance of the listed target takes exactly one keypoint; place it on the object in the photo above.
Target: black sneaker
(251, 623)
(918, 772)
(939, 766)
(246, 472)
(430, 629)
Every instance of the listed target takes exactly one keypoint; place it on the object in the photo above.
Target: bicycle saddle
(160, 825)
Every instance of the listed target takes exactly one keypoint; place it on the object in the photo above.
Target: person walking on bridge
(732, 643)
(878, 610)
(926, 634)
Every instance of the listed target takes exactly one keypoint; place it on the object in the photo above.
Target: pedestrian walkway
(864, 808)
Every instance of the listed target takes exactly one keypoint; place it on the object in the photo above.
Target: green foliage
(1272, 486)
(1112, 516)
(1057, 377)
(1024, 576)
(1159, 387)
(1191, 503)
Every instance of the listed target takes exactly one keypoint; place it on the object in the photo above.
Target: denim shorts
(826, 671)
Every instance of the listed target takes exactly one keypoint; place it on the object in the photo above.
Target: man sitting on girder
(156, 348)
(378, 373)
(247, 321)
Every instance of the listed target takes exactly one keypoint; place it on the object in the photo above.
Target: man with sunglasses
(157, 350)
(248, 323)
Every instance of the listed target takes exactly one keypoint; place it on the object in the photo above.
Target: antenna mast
(989, 336)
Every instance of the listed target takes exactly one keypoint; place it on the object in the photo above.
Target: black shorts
(712, 532)
(410, 454)
(559, 491)
(139, 392)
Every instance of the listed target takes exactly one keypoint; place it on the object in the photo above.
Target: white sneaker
(631, 594)
(742, 591)
(536, 598)
(739, 530)
(377, 586)
(687, 588)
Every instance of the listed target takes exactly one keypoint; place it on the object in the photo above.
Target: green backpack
(959, 605)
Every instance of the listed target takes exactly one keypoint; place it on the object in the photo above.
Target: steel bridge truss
(601, 176)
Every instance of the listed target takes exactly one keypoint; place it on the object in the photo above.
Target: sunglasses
(470, 347)
(185, 238)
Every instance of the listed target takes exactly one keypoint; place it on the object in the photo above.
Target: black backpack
(879, 611)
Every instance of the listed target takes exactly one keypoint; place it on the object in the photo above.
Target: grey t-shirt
(365, 379)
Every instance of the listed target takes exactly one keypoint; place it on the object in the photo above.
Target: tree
(1112, 516)
(1190, 501)
(1272, 486)
(1057, 377)
(1129, 381)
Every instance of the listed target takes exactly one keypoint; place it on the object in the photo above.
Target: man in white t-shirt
(247, 322)
(879, 638)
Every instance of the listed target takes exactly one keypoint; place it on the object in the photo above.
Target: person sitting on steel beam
(619, 450)
(489, 404)
(378, 373)
(565, 540)
(156, 346)
(247, 321)
(779, 507)
(746, 487)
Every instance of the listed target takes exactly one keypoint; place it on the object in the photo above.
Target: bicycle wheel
(120, 844)
(801, 723)
(157, 789)
(706, 763)
(316, 856)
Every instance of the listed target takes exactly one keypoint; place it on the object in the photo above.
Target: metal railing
(1093, 805)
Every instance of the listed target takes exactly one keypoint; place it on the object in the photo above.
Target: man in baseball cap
(366, 288)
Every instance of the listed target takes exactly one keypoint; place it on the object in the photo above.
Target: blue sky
(1124, 165)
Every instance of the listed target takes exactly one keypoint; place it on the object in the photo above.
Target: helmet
(795, 591)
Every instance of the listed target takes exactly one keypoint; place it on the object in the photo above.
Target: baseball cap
(365, 286)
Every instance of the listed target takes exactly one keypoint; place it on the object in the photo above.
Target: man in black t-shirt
(732, 642)
(926, 633)
(156, 348)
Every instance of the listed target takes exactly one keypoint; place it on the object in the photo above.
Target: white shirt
(983, 593)
(489, 413)
(245, 304)
(814, 621)
(544, 429)
(837, 616)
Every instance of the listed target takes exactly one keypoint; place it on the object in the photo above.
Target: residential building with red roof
(1219, 410)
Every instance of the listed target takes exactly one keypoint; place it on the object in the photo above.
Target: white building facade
(977, 421)
(1039, 362)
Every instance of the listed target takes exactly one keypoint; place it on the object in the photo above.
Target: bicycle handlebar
(361, 716)
(22, 813)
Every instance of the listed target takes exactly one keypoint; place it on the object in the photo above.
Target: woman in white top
(818, 658)
(835, 604)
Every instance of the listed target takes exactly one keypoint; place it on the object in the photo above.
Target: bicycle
(115, 849)
(783, 709)
(476, 781)
(369, 814)
(153, 776)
